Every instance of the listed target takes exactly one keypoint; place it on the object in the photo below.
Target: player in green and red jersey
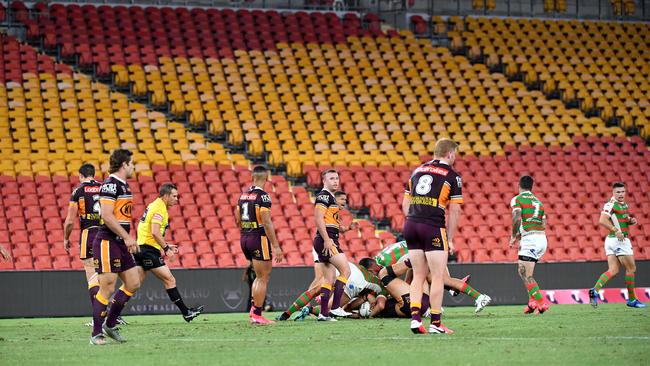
(394, 260)
(528, 226)
(616, 218)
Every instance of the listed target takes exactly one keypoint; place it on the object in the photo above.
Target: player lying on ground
(393, 261)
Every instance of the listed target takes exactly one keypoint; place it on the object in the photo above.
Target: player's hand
(619, 235)
(66, 245)
(330, 247)
(173, 249)
(452, 249)
(277, 253)
(131, 245)
(513, 241)
(353, 226)
(5, 253)
(633, 221)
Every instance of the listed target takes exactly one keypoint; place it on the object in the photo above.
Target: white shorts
(315, 255)
(533, 246)
(613, 246)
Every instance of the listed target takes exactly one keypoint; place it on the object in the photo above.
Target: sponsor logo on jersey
(91, 189)
(109, 188)
(248, 197)
(432, 170)
(266, 198)
(324, 197)
(126, 209)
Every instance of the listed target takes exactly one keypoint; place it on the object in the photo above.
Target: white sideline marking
(400, 338)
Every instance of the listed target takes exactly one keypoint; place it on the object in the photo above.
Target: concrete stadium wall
(63, 293)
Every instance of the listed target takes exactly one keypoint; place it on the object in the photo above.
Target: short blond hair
(444, 146)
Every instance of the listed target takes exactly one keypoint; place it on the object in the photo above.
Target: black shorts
(425, 237)
(148, 257)
(525, 258)
(319, 247)
(256, 246)
(86, 240)
(389, 309)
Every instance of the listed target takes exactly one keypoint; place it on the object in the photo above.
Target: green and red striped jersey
(391, 254)
(618, 213)
(532, 212)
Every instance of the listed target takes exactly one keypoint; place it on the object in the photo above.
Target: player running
(254, 218)
(394, 263)
(617, 219)
(151, 239)
(528, 225)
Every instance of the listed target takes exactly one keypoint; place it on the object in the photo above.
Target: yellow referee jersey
(156, 213)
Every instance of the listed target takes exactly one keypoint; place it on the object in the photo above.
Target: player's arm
(378, 306)
(516, 223)
(237, 216)
(319, 217)
(606, 222)
(111, 222)
(169, 249)
(454, 218)
(406, 203)
(269, 229)
(68, 224)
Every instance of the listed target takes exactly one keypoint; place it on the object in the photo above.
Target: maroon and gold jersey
(251, 205)
(326, 202)
(116, 191)
(86, 198)
(431, 188)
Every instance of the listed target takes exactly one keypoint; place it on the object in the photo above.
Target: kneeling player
(151, 231)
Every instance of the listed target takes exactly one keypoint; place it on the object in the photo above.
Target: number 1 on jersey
(244, 212)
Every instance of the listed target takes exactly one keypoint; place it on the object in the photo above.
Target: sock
(602, 280)
(436, 316)
(339, 285)
(92, 291)
(470, 291)
(326, 291)
(300, 302)
(425, 303)
(257, 310)
(175, 297)
(533, 292)
(415, 311)
(120, 299)
(315, 310)
(99, 313)
(629, 282)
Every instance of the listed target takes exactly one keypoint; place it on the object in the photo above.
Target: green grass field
(568, 335)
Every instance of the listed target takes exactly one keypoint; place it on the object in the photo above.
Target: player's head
(169, 194)
(618, 191)
(341, 198)
(260, 175)
(86, 171)
(445, 149)
(526, 183)
(121, 161)
(330, 179)
(370, 264)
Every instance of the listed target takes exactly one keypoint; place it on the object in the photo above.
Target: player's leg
(420, 270)
(329, 273)
(164, 274)
(91, 278)
(613, 267)
(305, 298)
(437, 261)
(263, 271)
(630, 268)
(131, 283)
(340, 261)
(480, 300)
(100, 304)
(526, 268)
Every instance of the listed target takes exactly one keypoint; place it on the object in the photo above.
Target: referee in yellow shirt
(151, 239)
